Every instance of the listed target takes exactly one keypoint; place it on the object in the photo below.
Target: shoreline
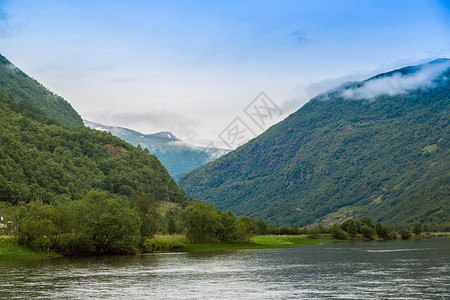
(171, 244)
(9, 249)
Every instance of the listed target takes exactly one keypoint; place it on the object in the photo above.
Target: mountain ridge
(178, 157)
(338, 157)
(22, 87)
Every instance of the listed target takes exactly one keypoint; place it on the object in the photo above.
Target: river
(413, 269)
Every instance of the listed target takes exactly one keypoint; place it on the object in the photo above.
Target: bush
(417, 228)
(313, 232)
(384, 231)
(367, 232)
(338, 233)
(95, 224)
(164, 244)
(201, 222)
(405, 234)
(393, 236)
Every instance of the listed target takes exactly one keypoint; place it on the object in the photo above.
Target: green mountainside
(42, 159)
(20, 86)
(178, 157)
(337, 157)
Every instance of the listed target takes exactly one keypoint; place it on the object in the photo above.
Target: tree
(351, 227)
(171, 226)
(417, 228)
(36, 228)
(383, 231)
(228, 232)
(295, 229)
(147, 211)
(367, 232)
(201, 222)
(246, 228)
(261, 227)
(115, 225)
(366, 220)
(7, 211)
(405, 234)
(284, 230)
(313, 232)
(338, 233)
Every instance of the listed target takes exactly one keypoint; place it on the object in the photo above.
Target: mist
(397, 83)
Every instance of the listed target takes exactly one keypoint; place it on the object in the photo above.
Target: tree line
(104, 223)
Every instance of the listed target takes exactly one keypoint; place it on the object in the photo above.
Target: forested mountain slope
(178, 157)
(378, 148)
(21, 87)
(40, 158)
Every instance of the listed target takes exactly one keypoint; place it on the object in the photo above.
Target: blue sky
(191, 67)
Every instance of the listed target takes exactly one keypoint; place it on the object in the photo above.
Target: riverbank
(9, 249)
(179, 243)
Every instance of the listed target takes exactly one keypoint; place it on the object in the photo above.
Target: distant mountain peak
(166, 135)
(177, 156)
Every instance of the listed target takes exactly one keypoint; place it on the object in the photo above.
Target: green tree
(284, 230)
(417, 228)
(295, 229)
(147, 211)
(201, 222)
(261, 227)
(383, 231)
(228, 232)
(37, 231)
(171, 226)
(272, 229)
(313, 232)
(366, 221)
(367, 231)
(246, 228)
(338, 233)
(115, 226)
(350, 227)
(405, 234)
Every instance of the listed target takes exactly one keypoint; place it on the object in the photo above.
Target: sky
(202, 68)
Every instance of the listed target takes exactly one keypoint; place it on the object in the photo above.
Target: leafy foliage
(21, 87)
(95, 224)
(204, 224)
(337, 158)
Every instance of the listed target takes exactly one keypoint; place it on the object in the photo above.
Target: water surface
(414, 269)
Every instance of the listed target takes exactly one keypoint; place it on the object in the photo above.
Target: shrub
(338, 233)
(405, 234)
(313, 232)
(367, 232)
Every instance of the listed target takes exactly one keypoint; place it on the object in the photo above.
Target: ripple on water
(343, 271)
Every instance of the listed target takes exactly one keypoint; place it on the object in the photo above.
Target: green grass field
(259, 242)
(10, 250)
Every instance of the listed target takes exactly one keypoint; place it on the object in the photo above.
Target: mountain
(377, 148)
(41, 158)
(20, 86)
(178, 157)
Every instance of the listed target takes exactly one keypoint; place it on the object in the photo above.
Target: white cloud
(398, 83)
(154, 121)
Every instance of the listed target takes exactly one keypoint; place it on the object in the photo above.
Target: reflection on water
(347, 270)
